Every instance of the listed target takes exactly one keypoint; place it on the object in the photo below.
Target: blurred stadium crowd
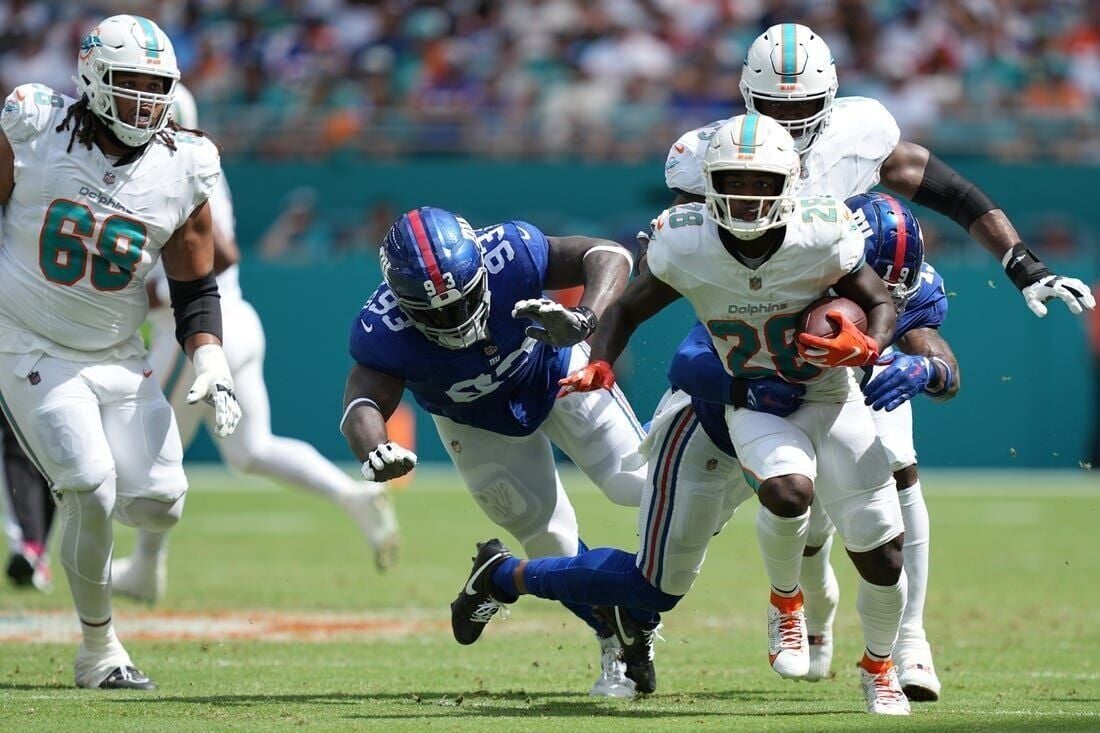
(599, 79)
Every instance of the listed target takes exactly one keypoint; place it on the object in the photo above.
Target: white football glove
(214, 385)
(556, 324)
(388, 461)
(1075, 294)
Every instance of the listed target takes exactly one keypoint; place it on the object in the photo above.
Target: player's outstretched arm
(914, 172)
(370, 398)
(643, 298)
(924, 363)
(601, 266)
(189, 264)
(7, 169)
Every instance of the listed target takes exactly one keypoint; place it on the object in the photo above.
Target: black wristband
(946, 192)
(196, 307)
(739, 392)
(1024, 268)
(589, 317)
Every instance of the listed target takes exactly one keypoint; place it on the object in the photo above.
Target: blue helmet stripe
(789, 45)
(152, 46)
(748, 133)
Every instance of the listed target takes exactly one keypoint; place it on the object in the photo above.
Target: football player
(749, 265)
(97, 189)
(703, 485)
(919, 361)
(847, 146)
(29, 510)
(461, 322)
(252, 448)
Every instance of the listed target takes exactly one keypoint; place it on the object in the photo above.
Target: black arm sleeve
(196, 306)
(946, 192)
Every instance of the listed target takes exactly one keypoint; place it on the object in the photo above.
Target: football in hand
(813, 320)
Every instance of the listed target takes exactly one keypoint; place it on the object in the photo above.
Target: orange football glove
(849, 348)
(597, 375)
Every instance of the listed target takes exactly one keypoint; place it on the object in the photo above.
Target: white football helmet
(184, 110)
(790, 62)
(127, 43)
(751, 142)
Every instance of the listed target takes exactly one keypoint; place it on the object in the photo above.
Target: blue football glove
(772, 395)
(903, 378)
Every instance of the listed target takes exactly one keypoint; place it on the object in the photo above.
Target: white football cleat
(139, 578)
(917, 673)
(613, 681)
(108, 668)
(881, 688)
(821, 656)
(788, 644)
(372, 509)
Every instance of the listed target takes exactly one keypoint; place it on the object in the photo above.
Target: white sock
(915, 558)
(820, 590)
(782, 541)
(86, 542)
(880, 609)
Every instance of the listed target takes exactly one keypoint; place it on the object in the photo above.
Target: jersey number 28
(63, 257)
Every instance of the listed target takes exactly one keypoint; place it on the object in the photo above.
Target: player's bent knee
(883, 564)
(150, 514)
(787, 496)
(624, 488)
(83, 476)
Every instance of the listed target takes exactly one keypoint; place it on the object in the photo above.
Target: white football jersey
(845, 159)
(81, 233)
(752, 314)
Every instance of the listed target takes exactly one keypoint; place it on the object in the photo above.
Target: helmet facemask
(752, 145)
(149, 114)
(453, 319)
(804, 130)
(771, 211)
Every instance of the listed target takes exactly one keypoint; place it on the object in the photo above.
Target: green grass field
(276, 618)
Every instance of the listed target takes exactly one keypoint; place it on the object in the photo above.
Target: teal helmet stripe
(789, 46)
(748, 134)
(152, 46)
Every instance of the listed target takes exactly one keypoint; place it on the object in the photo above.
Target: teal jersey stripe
(790, 44)
(19, 438)
(151, 46)
(748, 134)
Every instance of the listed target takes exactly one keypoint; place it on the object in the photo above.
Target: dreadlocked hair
(86, 123)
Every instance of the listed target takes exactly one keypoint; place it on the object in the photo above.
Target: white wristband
(356, 403)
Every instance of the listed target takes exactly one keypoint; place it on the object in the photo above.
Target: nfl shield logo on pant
(755, 283)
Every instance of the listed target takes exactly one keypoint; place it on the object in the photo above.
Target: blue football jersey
(928, 307)
(703, 370)
(505, 384)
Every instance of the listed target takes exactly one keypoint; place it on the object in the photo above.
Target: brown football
(813, 319)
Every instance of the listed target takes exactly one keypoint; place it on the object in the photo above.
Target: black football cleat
(127, 678)
(637, 643)
(475, 605)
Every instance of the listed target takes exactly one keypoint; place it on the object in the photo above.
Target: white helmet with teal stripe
(790, 75)
(752, 143)
(133, 44)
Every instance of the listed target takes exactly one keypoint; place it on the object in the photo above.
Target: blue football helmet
(433, 264)
(894, 245)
